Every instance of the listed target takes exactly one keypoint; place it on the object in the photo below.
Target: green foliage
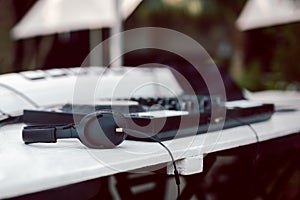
(272, 62)
(252, 78)
(276, 50)
(287, 53)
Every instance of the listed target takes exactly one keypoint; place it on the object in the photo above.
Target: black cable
(10, 120)
(14, 119)
(5, 114)
(155, 139)
(257, 144)
(255, 160)
(176, 174)
(245, 124)
(20, 94)
(253, 130)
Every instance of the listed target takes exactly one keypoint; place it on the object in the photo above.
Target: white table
(26, 169)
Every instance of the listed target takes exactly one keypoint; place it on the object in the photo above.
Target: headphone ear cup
(98, 129)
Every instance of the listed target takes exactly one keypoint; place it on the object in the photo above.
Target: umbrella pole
(116, 43)
(96, 52)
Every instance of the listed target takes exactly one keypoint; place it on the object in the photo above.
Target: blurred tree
(275, 50)
(11, 12)
(7, 19)
(258, 59)
(286, 54)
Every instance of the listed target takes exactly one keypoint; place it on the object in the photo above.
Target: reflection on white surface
(242, 104)
(161, 113)
(263, 13)
(281, 99)
(58, 16)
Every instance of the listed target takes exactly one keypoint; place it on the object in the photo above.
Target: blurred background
(258, 59)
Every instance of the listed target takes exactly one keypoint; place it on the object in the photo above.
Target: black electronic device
(95, 130)
(64, 114)
(237, 114)
(194, 123)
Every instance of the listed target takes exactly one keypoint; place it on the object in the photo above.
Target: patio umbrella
(264, 13)
(59, 16)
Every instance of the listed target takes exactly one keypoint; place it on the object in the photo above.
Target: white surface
(30, 168)
(58, 16)
(88, 88)
(264, 13)
(161, 113)
(187, 166)
(281, 99)
(241, 104)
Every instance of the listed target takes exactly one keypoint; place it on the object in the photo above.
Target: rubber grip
(33, 135)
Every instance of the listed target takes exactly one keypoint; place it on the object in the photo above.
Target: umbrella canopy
(263, 13)
(58, 16)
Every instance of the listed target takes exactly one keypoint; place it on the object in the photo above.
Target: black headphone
(101, 129)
